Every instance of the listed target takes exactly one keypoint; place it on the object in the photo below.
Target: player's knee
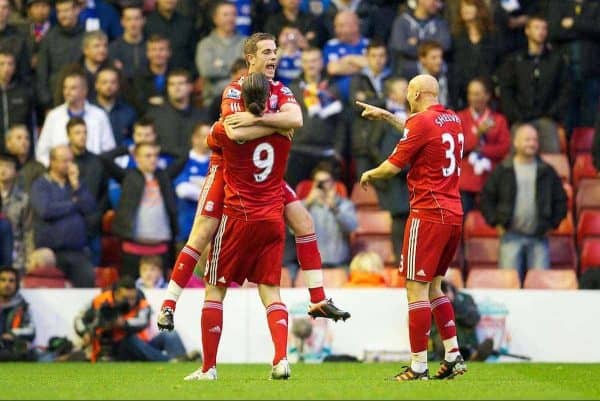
(299, 219)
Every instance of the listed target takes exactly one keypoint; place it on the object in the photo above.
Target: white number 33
(449, 139)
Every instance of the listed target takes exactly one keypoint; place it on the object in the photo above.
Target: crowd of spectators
(106, 105)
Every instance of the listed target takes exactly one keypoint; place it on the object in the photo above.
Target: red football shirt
(253, 173)
(231, 102)
(432, 144)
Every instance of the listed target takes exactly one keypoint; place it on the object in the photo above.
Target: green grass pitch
(323, 381)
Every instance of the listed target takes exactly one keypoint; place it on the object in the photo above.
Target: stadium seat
(303, 188)
(588, 225)
(373, 222)
(540, 279)
(566, 227)
(590, 254)
(335, 277)
(560, 162)
(588, 195)
(563, 253)
(106, 276)
(46, 277)
(380, 244)
(481, 252)
(581, 141)
(493, 278)
(393, 278)
(583, 167)
(454, 276)
(364, 199)
(476, 226)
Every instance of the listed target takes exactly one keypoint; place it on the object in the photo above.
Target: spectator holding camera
(334, 217)
(17, 330)
(116, 326)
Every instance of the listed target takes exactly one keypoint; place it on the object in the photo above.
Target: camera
(108, 313)
(321, 185)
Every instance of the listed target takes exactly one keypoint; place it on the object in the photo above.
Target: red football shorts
(243, 250)
(428, 249)
(212, 195)
(289, 195)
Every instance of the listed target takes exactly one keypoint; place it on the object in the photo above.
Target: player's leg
(277, 317)
(420, 259)
(212, 327)
(309, 258)
(206, 221)
(443, 312)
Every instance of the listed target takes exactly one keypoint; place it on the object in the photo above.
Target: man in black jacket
(524, 199)
(535, 87)
(175, 120)
(574, 25)
(367, 87)
(60, 46)
(146, 218)
(17, 99)
(322, 137)
(13, 40)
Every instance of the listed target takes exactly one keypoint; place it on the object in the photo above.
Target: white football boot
(281, 371)
(210, 374)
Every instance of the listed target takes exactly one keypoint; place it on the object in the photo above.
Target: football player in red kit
(251, 235)
(432, 144)
(283, 113)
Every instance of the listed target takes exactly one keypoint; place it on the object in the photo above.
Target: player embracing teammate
(281, 114)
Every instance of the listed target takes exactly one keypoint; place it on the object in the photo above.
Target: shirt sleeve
(231, 101)
(412, 141)
(285, 95)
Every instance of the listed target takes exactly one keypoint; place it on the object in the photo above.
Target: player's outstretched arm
(382, 172)
(288, 117)
(371, 112)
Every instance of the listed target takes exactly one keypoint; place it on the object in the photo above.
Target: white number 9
(265, 163)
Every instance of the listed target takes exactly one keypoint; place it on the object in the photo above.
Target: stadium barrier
(547, 326)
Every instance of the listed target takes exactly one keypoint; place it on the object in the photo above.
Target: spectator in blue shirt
(345, 54)
(98, 14)
(60, 206)
(188, 183)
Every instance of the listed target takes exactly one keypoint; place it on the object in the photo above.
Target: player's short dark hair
(251, 43)
(74, 121)
(428, 45)
(180, 72)
(255, 92)
(8, 157)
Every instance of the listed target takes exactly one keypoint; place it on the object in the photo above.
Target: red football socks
(277, 316)
(309, 259)
(212, 325)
